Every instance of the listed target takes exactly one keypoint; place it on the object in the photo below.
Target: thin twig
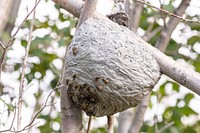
(20, 26)
(33, 119)
(110, 124)
(89, 124)
(45, 105)
(29, 125)
(1, 61)
(167, 12)
(88, 11)
(162, 14)
(7, 130)
(165, 127)
(21, 87)
(2, 45)
(148, 36)
(13, 37)
(156, 123)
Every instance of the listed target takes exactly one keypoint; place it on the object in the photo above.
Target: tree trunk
(8, 13)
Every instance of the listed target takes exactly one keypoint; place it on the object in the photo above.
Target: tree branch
(88, 11)
(71, 116)
(110, 123)
(166, 12)
(171, 25)
(125, 118)
(139, 116)
(184, 76)
(135, 16)
(89, 124)
(21, 87)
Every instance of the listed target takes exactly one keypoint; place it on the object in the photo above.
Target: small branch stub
(111, 70)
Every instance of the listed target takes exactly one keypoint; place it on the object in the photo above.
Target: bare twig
(169, 13)
(151, 34)
(162, 14)
(1, 61)
(9, 129)
(29, 125)
(2, 45)
(20, 26)
(21, 87)
(110, 123)
(89, 124)
(88, 11)
(156, 123)
(165, 127)
(36, 115)
(13, 37)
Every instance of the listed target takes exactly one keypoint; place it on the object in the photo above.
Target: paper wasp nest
(108, 68)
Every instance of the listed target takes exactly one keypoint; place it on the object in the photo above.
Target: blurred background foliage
(170, 103)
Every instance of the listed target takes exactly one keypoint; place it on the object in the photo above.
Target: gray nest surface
(108, 68)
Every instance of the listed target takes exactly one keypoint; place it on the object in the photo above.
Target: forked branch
(88, 11)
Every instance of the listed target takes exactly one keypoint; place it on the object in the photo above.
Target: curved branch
(88, 11)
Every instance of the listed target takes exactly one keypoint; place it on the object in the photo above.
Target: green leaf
(196, 64)
(175, 86)
(186, 110)
(169, 7)
(173, 46)
(193, 40)
(188, 97)
(194, 26)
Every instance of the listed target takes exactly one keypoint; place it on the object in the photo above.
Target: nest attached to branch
(108, 68)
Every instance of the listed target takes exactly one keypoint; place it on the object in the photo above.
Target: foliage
(46, 57)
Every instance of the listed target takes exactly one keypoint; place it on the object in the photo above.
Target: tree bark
(135, 16)
(138, 118)
(71, 116)
(125, 118)
(11, 22)
(5, 9)
(8, 13)
(88, 11)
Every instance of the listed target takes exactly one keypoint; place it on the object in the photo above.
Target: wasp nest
(108, 68)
